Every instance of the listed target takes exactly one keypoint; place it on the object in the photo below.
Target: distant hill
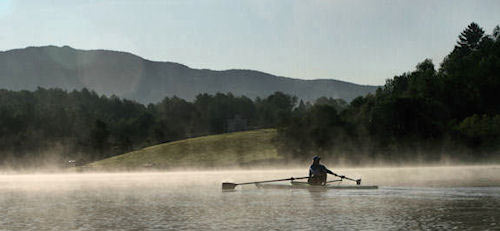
(130, 76)
(238, 149)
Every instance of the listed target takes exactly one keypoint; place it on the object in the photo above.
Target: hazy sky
(358, 41)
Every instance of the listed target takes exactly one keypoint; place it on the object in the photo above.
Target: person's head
(316, 159)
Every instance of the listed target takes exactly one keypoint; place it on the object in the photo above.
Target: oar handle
(358, 181)
(267, 181)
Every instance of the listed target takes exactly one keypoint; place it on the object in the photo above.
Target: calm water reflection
(449, 198)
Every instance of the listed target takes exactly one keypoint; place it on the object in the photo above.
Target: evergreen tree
(470, 37)
(496, 33)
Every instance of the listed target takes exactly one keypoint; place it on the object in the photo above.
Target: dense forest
(426, 114)
(55, 125)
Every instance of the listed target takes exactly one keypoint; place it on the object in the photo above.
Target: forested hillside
(56, 125)
(132, 77)
(427, 114)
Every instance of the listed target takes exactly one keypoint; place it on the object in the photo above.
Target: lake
(409, 198)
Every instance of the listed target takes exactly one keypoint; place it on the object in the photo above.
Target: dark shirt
(318, 170)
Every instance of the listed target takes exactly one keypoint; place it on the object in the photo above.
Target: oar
(332, 181)
(229, 186)
(358, 181)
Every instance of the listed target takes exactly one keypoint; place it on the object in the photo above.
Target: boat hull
(303, 185)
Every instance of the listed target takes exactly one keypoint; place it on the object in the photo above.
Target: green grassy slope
(225, 150)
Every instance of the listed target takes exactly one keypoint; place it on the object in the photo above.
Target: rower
(317, 172)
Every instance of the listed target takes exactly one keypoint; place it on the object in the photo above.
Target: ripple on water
(194, 201)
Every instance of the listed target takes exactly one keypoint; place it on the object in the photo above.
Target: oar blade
(228, 186)
(358, 181)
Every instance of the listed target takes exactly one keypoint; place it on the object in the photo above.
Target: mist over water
(461, 197)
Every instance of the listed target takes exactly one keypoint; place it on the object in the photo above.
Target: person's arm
(330, 172)
(327, 170)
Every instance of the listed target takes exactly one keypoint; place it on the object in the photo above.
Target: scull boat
(228, 186)
(305, 185)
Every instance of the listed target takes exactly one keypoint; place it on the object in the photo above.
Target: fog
(422, 176)
(408, 198)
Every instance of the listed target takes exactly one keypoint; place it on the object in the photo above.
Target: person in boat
(317, 172)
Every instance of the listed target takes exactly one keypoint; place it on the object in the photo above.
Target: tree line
(425, 114)
(54, 123)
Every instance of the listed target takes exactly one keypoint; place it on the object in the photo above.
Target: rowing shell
(305, 185)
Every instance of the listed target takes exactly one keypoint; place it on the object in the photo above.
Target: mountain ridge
(130, 76)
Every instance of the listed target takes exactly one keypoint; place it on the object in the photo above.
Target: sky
(364, 42)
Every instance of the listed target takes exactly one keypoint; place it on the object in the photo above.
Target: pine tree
(496, 32)
(470, 37)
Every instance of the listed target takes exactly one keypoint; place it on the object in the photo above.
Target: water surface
(463, 198)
